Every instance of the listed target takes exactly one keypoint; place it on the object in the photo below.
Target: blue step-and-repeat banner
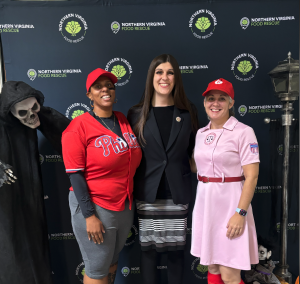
(53, 46)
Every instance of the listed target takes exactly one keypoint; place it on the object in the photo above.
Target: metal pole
(286, 72)
(282, 268)
(2, 70)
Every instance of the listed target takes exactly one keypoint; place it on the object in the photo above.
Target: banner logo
(267, 188)
(131, 236)
(41, 159)
(244, 23)
(242, 110)
(54, 73)
(119, 71)
(80, 271)
(115, 27)
(125, 271)
(203, 24)
(280, 149)
(244, 67)
(73, 28)
(121, 68)
(190, 69)
(290, 227)
(258, 109)
(200, 271)
(268, 21)
(80, 109)
(202, 268)
(140, 26)
(31, 73)
(77, 113)
(293, 149)
(61, 236)
(14, 28)
(50, 158)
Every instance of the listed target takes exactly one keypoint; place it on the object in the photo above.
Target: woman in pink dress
(227, 161)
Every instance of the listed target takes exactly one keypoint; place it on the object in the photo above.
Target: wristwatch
(241, 211)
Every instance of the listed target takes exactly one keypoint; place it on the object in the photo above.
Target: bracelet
(241, 211)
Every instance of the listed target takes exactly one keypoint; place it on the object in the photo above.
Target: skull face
(263, 253)
(26, 111)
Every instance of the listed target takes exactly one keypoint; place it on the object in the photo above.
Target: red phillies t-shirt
(108, 163)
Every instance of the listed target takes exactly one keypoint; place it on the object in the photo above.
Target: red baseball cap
(221, 85)
(94, 75)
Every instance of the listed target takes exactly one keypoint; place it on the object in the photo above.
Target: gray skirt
(162, 225)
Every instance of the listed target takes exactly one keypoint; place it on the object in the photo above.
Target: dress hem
(162, 249)
(222, 263)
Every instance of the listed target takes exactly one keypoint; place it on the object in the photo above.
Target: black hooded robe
(24, 248)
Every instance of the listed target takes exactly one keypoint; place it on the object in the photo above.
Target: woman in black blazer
(165, 124)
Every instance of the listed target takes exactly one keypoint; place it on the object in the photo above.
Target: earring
(91, 104)
(116, 100)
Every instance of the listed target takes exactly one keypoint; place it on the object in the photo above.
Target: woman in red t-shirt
(101, 154)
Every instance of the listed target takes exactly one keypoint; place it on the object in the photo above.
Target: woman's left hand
(235, 226)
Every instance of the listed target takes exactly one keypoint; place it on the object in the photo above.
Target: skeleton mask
(263, 253)
(26, 111)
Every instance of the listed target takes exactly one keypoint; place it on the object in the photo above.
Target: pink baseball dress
(218, 153)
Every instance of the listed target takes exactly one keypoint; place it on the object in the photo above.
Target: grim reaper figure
(24, 251)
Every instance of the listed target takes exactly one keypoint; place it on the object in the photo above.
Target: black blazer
(174, 160)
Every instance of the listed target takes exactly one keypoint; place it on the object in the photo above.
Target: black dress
(162, 224)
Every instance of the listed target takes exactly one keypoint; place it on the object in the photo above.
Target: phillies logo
(119, 146)
(131, 140)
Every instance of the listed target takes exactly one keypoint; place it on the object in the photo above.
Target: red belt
(214, 179)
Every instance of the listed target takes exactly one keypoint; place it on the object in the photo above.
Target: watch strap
(241, 211)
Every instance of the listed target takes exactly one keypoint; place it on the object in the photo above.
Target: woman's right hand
(94, 228)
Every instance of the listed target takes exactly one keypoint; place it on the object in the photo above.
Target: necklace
(105, 123)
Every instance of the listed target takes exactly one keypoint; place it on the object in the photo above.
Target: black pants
(149, 266)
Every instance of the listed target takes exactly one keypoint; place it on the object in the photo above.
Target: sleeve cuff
(74, 170)
(91, 213)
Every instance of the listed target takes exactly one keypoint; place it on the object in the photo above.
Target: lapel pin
(178, 119)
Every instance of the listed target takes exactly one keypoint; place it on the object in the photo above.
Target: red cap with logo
(94, 75)
(221, 85)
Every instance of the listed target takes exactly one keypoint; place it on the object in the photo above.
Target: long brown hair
(180, 99)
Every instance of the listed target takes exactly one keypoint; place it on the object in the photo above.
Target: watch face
(243, 212)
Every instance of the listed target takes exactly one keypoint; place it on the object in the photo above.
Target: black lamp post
(285, 80)
(2, 72)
